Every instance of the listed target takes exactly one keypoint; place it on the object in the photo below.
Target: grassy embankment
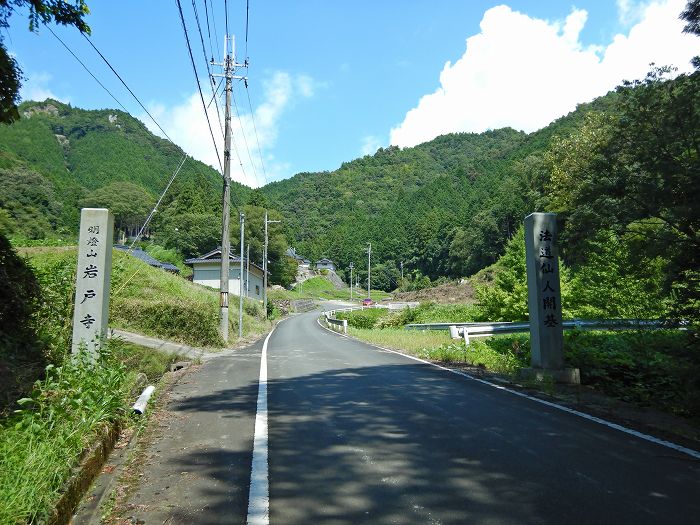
(75, 399)
(153, 302)
(320, 287)
(650, 368)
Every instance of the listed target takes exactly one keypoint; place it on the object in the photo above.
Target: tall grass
(43, 441)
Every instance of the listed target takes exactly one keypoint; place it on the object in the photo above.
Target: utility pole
(229, 66)
(369, 270)
(402, 271)
(265, 265)
(352, 265)
(240, 281)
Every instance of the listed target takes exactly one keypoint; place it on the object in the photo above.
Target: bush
(21, 354)
(367, 318)
(42, 442)
(659, 368)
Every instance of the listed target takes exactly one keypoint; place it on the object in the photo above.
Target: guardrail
(336, 324)
(468, 330)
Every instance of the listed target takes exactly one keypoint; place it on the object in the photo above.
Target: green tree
(505, 299)
(29, 201)
(129, 203)
(192, 234)
(40, 12)
(618, 281)
(640, 164)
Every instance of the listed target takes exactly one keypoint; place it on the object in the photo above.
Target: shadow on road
(404, 443)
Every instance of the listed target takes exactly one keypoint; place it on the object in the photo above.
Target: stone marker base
(569, 376)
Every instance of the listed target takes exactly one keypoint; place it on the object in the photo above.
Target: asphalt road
(361, 435)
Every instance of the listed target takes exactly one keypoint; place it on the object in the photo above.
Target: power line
(127, 87)
(199, 87)
(86, 69)
(226, 17)
(245, 140)
(211, 47)
(247, 13)
(235, 146)
(204, 52)
(255, 128)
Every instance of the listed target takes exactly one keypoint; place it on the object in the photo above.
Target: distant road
(361, 435)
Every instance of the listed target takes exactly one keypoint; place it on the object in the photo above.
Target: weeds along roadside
(75, 400)
(43, 442)
(658, 369)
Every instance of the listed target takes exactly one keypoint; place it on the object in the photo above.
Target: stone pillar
(91, 312)
(544, 297)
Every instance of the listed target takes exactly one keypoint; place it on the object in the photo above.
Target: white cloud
(187, 126)
(36, 87)
(525, 72)
(630, 12)
(370, 144)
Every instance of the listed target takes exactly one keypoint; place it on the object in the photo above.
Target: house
(325, 264)
(140, 254)
(206, 270)
(301, 261)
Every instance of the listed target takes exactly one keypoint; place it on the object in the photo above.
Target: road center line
(259, 495)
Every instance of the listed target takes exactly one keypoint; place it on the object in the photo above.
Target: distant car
(367, 302)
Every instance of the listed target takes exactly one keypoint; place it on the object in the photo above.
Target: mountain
(415, 204)
(56, 155)
(443, 208)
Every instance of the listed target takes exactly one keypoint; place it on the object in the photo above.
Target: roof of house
(215, 256)
(140, 254)
(325, 261)
(291, 252)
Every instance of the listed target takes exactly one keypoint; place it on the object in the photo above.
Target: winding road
(340, 432)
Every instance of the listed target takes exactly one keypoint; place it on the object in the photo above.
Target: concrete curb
(84, 474)
(160, 344)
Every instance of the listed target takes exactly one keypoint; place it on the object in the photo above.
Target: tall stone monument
(91, 312)
(544, 299)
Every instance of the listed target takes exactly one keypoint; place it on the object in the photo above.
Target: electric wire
(255, 128)
(199, 87)
(247, 14)
(245, 140)
(211, 47)
(182, 161)
(226, 17)
(210, 76)
(127, 87)
(86, 69)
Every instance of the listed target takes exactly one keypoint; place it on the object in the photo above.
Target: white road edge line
(679, 448)
(259, 495)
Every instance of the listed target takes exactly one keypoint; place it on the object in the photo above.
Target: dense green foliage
(20, 351)
(57, 159)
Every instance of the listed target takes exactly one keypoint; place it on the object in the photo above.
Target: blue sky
(330, 81)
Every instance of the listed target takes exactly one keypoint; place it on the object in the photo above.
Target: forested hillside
(56, 155)
(622, 172)
(445, 208)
